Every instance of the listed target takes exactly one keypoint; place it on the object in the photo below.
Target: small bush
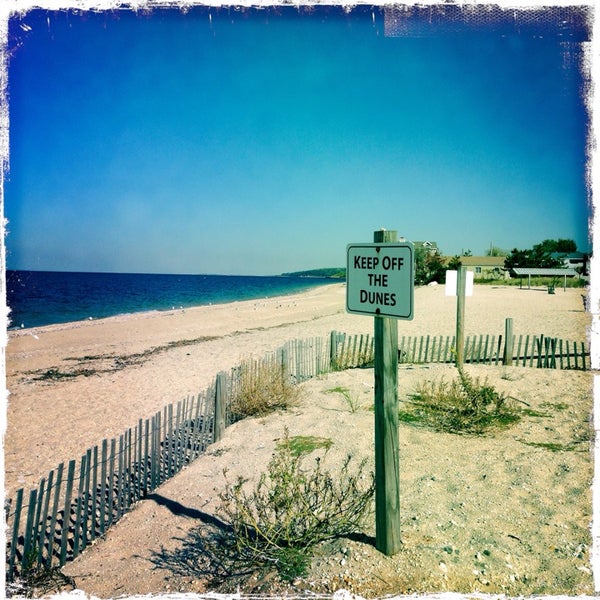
(304, 444)
(291, 510)
(465, 405)
(263, 388)
(352, 400)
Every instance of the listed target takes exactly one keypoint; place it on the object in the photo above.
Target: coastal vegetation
(333, 273)
(546, 255)
(276, 525)
(431, 265)
(262, 388)
(464, 405)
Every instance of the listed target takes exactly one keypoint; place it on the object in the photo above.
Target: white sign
(452, 283)
(380, 279)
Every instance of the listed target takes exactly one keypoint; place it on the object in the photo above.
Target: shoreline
(182, 299)
(141, 314)
(17, 331)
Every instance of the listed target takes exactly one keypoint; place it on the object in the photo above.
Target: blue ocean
(38, 298)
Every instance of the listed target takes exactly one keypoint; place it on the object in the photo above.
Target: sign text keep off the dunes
(380, 279)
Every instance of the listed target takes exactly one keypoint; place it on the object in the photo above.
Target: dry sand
(493, 513)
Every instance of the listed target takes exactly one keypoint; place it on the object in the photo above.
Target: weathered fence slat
(525, 350)
(67, 513)
(353, 359)
(498, 347)
(164, 458)
(45, 536)
(138, 460)
(167, 446)
(123, 484)
(362, 350)
(111, 481)
(94, 484)
(15, 533)
(539, 346)
(129, 481)
(55, 505)
(86, 500)
(299, 350)
(79, 507)
(103, 486)
(119, 480)
(181, 434)
(220, 400)
(533, 347)
(560, 353)
(37, 548)
(519, 349)
(129, 474)
(448, 350)
(197, 435)
(153, 451)
(28, 549)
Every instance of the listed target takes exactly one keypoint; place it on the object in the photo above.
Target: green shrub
(300, 445)
(352, 400)
(291, 509)
(465, 405)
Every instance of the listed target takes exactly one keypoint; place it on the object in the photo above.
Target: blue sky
(264, 141)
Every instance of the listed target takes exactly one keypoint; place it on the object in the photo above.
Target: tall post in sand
(387, 469)
(508, 342)
(220, 390)
(380, 282)
(461, 284)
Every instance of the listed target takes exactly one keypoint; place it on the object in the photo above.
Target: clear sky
(264, 141)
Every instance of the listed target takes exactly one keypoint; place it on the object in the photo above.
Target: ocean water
(38, 298)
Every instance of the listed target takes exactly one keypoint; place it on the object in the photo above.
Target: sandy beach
(120, 369)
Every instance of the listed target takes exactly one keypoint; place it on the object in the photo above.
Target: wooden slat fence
(78, 501)
(528, 351)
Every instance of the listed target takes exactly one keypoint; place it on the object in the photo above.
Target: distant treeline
(334, 273)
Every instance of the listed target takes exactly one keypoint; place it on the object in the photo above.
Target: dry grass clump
(261, 388)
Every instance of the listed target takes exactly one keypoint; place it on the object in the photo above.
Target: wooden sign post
(460, 284)
(380, 281)
(460, 316)
(387, 468)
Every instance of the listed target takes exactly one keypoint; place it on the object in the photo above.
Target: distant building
(572, 260)
(429, 247)
(484, 267)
